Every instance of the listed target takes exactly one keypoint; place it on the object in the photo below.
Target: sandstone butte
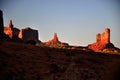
(23, 34)
(10, 33)
(28, 34)
(55, 42)
(102, 41)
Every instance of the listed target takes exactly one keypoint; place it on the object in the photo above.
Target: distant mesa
(55, 42)
(102, 41)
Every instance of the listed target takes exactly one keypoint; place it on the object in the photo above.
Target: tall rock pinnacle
(55, 39)
(1, 23)
(3, 37)
(9, 29)
(10, 25)
(55, 42)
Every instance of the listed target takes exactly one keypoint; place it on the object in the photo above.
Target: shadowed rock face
(28, 34)
(55, 42)
(1, 23)
(102, 41)
(3, 36)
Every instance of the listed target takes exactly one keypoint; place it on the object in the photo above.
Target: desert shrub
(57, 68)
(54, 67)
(39, 78)
(4, 53)
(48, 55)
(70, 53)
(33, 42)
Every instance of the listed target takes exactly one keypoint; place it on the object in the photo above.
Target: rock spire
(9, 29)
(1, 23)
(104, 37)
(102, 41)
(55, 42)
(10, 24)
(55, 39)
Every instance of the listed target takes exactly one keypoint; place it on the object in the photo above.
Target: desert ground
(19, 61)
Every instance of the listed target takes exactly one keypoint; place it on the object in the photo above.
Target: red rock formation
(55, 42)
(102, 41)
(55, 39)
(18, 35)
(12, 32)
(28, 34)
(104, 37)
(9, 29)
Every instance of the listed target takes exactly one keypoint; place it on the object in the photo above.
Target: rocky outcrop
(55, 42)
(102, 41)
(28, 34)
(19, 35)
(13, 34)
(104, 37)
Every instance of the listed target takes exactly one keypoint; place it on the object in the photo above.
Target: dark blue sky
(75, 21)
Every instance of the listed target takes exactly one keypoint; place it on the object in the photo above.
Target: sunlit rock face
(102, 41)
(28, 34)
(55, 42)
(104, 37)
(23, 34)
(12, 32)
(8, 30)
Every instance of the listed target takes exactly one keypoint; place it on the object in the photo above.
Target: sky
(75, 21)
